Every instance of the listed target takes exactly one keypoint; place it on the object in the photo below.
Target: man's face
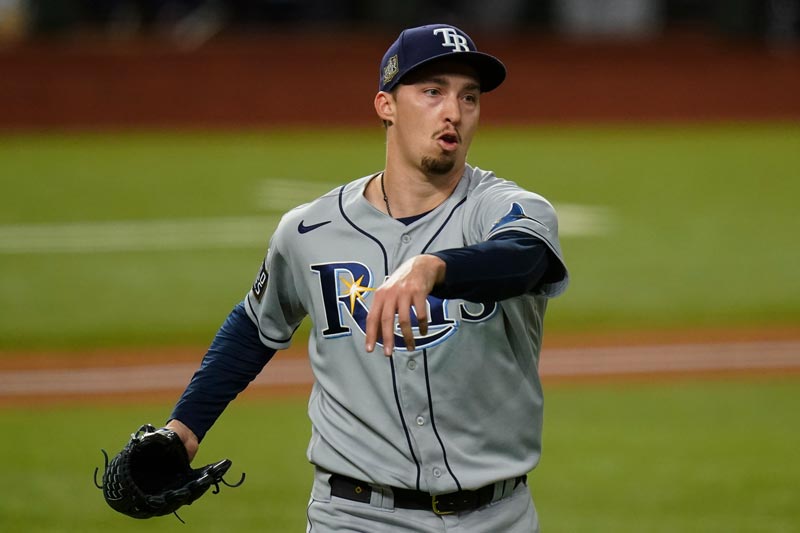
(436, 115)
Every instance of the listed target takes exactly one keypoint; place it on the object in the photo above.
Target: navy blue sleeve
(235, 358)
(511, 264)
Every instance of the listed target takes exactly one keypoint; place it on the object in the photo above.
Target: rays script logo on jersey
(345, 287)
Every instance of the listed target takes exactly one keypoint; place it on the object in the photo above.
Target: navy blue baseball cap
(422, 45)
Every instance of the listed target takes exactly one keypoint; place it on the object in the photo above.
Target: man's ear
(385, 107)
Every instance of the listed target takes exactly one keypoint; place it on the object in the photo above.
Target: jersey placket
(413, 394)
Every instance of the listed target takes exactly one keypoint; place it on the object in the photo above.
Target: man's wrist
(438, 266)
(186, 435)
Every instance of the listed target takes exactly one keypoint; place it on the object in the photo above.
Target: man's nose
(452, 109)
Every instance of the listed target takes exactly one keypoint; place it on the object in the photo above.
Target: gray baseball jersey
(461, 411)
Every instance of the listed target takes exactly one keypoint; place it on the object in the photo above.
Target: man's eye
(432, 92)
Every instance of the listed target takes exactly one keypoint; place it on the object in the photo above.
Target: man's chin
(438, 165)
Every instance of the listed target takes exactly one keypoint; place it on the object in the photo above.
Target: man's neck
(409, 192)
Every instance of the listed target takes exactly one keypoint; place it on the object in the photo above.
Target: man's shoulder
(306, 217)
(485, 183)
(482, 182)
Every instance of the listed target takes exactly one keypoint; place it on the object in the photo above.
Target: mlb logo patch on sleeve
(260, 284)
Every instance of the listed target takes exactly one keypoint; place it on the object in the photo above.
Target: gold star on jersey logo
(355, 291)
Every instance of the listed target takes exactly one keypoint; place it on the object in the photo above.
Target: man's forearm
(509, 265)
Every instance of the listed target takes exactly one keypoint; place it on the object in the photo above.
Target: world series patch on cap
(422, 45)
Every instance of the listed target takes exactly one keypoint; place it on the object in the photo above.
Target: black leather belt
(453, 502)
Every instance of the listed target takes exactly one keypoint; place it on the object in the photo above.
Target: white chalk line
(274, 196)
(142, 235)
(198, 234)
(291, 371)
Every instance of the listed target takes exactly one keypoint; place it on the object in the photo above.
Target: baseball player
(427, 284)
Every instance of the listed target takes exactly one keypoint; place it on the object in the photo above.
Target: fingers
(387, 329)
(391, 304)
(421, 309)
(381, 321)
(404, 321)
(406, 289)
(373, 321)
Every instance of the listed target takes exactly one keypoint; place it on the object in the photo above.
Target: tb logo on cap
(452, 39)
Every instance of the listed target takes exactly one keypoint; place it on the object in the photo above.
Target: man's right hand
(187, 436)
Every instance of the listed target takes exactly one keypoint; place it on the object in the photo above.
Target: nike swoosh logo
(302, 228)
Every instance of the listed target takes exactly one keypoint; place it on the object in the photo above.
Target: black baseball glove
(151, 476)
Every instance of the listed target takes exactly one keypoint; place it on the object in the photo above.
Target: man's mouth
(449, 140)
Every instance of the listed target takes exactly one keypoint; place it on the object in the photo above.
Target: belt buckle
(435, 506)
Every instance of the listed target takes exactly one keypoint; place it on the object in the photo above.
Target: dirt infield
(126, 375)
(324, 79)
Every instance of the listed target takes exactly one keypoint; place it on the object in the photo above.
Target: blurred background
(197, 20)
(148, 149)
(180, 63)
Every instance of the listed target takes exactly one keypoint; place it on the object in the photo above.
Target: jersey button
(437, 472)
(420, 421)
(406, 238)
(412, 364)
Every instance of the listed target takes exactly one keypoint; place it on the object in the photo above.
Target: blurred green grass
(716, 456)
(703, 233)
(696, 455)
(703, 223)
